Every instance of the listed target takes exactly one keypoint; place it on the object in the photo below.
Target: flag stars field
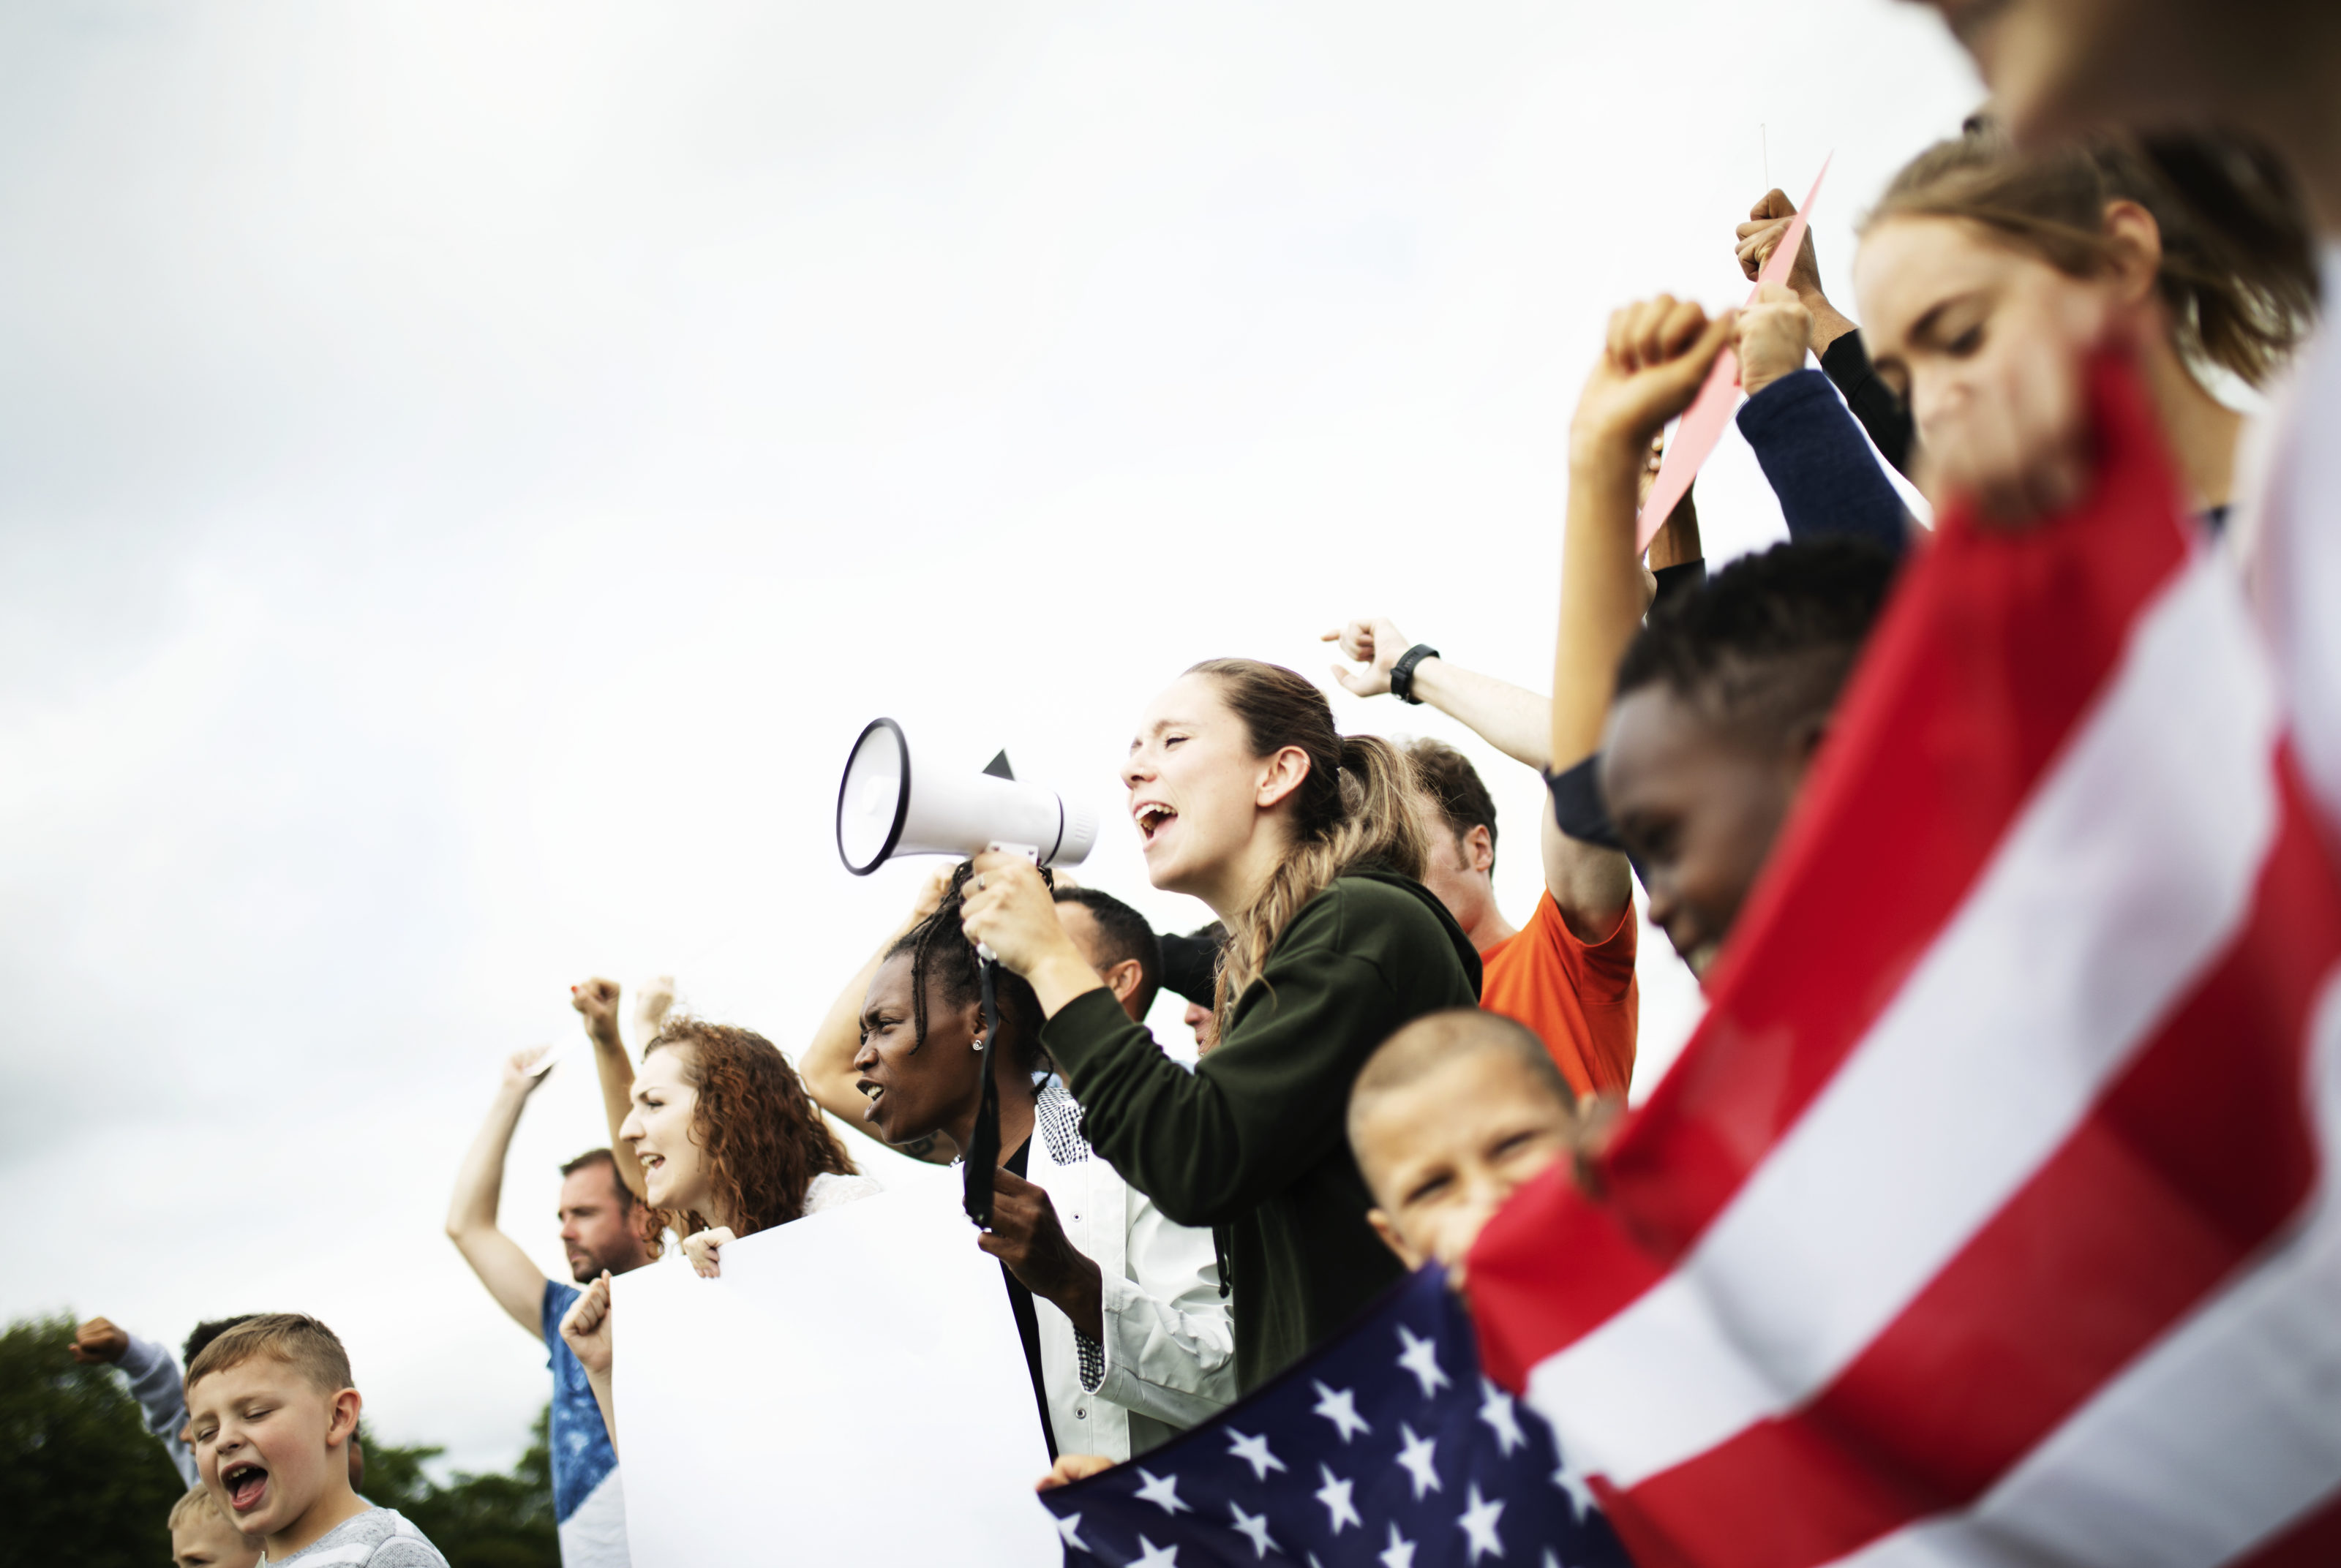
(1253, 1451)
(1342, 1410)
(1308, 1470)
(1253, 1527)
(1416, 1455)
(1479, 1524)
(1162, 1491)
(1335, 1495)
(1496, 1410)
(1421, 1357)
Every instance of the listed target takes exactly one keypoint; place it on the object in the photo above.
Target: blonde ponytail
(1355, 806)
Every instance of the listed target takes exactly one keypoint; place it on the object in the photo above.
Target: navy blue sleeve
(1818, 465)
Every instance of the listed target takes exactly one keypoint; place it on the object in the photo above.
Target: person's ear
(1479, 849)
(1123, 979)
(1394, 1238)
(970, 1018)
(344, 1426)
(2135, 242)
(1280, 774)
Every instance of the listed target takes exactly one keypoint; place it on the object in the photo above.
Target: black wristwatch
(1402, 672)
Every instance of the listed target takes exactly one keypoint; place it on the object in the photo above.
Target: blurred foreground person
(1977, 257)
(603, 1230)
(1305, 843)
(2271, 69)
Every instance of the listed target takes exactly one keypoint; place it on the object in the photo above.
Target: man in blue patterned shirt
(601, 1227)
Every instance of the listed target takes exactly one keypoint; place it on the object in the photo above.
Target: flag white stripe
(2071, 934)
(2208, 1444)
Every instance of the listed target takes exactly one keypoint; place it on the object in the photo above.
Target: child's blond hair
(197, 1503)
(300, 1342)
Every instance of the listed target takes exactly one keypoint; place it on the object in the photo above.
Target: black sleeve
(1191, 963)
(1873, 402)
(1578, 805)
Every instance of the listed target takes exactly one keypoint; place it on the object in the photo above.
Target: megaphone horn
(883, 813)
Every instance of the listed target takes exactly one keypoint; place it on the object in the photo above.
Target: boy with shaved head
(273, 1414)
(1447, 1118)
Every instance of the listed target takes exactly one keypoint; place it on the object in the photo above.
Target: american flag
(1384, 1447)
(1989, 1216)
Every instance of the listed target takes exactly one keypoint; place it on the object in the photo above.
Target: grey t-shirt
(378, 1538)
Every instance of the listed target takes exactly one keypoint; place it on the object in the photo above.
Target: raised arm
(1811, 448)
(1835, 338)
(596, 1001)
(1590, 884)
(1657, 353)
(154, 1382)
(517, 1284)
(826, 1065)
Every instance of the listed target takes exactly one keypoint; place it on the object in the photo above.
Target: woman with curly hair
(729, 1144)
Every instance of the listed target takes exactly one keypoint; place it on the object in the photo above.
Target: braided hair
(939, 951)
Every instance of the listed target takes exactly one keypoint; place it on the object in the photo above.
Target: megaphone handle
(983, 1144)
(1030, 852)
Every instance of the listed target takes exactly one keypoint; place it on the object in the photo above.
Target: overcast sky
(468, 471)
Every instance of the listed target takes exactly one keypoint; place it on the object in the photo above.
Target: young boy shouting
(273, 1414)
(201, 1536)
(1447, 1118)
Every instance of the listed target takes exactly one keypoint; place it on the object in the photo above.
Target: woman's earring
(978, 1042)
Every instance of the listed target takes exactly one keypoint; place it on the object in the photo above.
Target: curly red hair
(763, 1137)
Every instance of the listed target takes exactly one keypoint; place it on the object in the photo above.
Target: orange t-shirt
(1579, 998)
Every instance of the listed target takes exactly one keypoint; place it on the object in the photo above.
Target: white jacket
(1168, 1361)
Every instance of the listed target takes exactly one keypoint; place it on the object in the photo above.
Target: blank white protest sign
(851, 1390)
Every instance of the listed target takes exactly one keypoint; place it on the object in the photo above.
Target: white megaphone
(881, 813)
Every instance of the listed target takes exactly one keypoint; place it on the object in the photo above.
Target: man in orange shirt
(1569, 973)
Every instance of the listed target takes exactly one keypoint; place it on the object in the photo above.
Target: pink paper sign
(1702, 422)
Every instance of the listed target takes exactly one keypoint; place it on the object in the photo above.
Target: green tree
(81, 1482)
(488, 1521)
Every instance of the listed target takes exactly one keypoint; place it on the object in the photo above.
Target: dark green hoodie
(1253, 1143)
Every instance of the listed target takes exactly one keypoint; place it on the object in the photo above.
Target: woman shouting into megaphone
(1304, 843)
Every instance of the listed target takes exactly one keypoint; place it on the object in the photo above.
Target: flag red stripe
(1927, 737)
(2312, 1541)
(2197, 1156)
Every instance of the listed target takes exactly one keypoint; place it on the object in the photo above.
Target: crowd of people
(1384, 1055)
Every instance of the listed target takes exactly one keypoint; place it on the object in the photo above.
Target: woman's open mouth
(1151, 817)
(245, 1484)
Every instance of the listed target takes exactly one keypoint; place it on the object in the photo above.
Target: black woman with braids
(1125, 1327)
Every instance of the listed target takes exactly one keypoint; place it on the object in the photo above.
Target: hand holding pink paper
(1702, 424)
